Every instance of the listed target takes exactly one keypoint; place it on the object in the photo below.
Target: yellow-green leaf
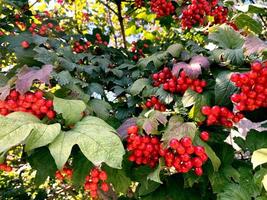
(259, 157)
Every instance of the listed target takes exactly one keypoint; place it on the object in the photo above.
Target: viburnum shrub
(252, 87)
(86, 113)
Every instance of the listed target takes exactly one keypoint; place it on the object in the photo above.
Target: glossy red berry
(204, 135)
(25, 44)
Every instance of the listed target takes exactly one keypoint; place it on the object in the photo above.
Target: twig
(121, 23)
(105, 4)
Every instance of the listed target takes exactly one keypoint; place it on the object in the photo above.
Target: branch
(105, 4)
(121, 23)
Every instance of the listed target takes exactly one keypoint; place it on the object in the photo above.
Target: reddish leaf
(122, 130)
(254, 45)
(28, 75)
(193, 69)
(4, 91)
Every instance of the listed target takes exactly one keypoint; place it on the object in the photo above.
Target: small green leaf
(71, 110)
(42, 161)
(97, 140)
(139, 85)
(245, 21)
(216, 162)
(155, 175)
(224, 88)
(234, 191)
(101, 108)
(175, 50)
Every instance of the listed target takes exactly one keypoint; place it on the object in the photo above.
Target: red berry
(204, 135)
(186, 141)
(104, 186)
(198, 171)
(25, 44)
(103, 176)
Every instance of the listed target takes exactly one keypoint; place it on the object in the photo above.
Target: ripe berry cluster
(80, 47)
(65, 173)
(99, 40)
(31, 102)
(184, 156)
(155, 103)
(162, 7)
(177, 85)
(220, 116)
(198, 10)
(144, 149)
(138, 3)
(252, 84)
(5, 167)
(43, 29)
(94, 180)
(138, 52)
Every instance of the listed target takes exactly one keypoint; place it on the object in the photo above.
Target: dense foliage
(135, 99)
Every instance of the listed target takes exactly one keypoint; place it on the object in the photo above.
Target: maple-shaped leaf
(27, 75)
(4, 92)
(254, 45)
(194, 68)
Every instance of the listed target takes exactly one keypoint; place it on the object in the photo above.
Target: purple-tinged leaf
(122, 130)
(193, 69)
(254, 45)
(178, 67)
(28, 75)
(150, 126)
(4, 91)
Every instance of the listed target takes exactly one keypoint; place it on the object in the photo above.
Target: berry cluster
(5, 167)
(96, 178)
(217, 115)
(138, 3)
(155, 103)
(138, 52)
(99, 40)
(177, 85)
(31, 102)
(143, 149)
(80, 47)
(43, 29)
(162, 7)
(196, 13)
(65, 173)
(252, 84)
(184, 156)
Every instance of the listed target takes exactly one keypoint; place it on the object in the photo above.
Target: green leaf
(147, 187)
(81, 168)
(224, 88)
(259, 157)
(95, 87)
(177, 129)
(97, 140)
(155, 175)
(24, 128)
(216, 162)
(245, 21)
(175, 50)
(118, 179)
(42, 161)
(139, 85)
(101, 108)
(230, 45)
(234, 191)
(254, 140)
(71, 110)
(189, 98)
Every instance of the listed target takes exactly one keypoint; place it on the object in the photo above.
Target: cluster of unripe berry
(5, 167)
(138, 52)
(162, 7)
(66, 173)
(184, 156)
(198, 10)
(96, 180)
(143, 149)
(252, 84)
(31, 102)
(217, 115)
(80, 47)
(180, 154)
(178, 84)
(155, 103)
